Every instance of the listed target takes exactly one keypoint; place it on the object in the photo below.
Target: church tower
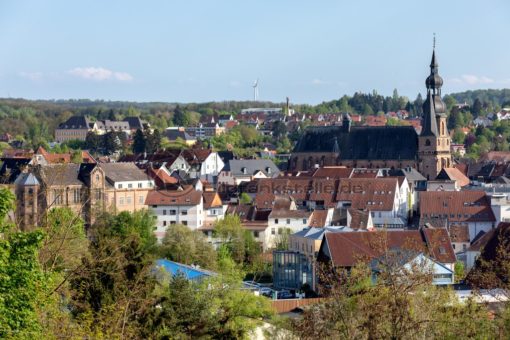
(434, 141)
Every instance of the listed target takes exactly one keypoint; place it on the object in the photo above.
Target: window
(256, 234)
(279, 231)
(130, 186)
(121, 201)
(305, 221)
(120, 186)
(184, 212)
(58, 196)
(173, 212)
(76, 195)
(184, 222)
(273, 231)
(164, 223)
(288, 221)
(129, 200)
(164, 212)
(141, 200)
(97, 178)
(140, 185)
(275, 221)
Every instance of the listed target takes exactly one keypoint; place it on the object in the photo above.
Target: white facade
(145, 184)
(277, 226)
(191, 216)
(179, 164)
(211, 167)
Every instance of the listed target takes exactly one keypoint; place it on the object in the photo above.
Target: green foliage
(245, 198)
(21, 277)
(459, 271)
(138, 142)
(239, 241)
(217, 308)
(181, 244)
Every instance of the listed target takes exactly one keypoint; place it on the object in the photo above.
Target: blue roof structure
(191, 273)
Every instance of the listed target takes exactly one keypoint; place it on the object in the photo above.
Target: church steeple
(433, 107)
(434, 141)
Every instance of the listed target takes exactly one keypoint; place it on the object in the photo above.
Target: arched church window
(427, 142)
(442, 128)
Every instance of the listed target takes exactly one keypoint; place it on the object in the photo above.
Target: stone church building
(385, 146)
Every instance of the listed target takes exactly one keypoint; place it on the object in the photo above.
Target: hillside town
(177, 208)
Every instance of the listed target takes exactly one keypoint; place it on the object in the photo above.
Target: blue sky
(196, 51)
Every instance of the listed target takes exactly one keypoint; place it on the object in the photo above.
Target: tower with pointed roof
(434, 141)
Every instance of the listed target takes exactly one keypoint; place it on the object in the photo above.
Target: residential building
(126, 186)
(205, 131)
(346, 249)
(184, 207)
(174, 134)
(380, 196)
(245, 170)
(86, 188)
(77, 127)
(468, 208)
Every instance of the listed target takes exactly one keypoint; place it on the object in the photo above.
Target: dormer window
(268, 170)
(244, 170)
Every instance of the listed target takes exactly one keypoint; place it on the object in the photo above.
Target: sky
(199, 51)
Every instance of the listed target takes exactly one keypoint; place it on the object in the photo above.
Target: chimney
(346, 123)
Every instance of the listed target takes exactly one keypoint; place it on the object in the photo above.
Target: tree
(139, 142)
(279, 130)
(282, 239)
(477, 107)
(239, 241)
(398, 303)
(21, 277)
(245, 198)
(214, 309)
(180, 118)
(249, 135)
(181, 244)
(93, 142)
(152, 141)
(64, 242)
(455, 120)
(114, 289)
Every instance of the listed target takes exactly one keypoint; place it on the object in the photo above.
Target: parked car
(266, 291)
(285, 294)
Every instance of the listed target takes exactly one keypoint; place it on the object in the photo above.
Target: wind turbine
(256, 90)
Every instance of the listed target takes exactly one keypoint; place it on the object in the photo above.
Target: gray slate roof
(26, 179)
(123, 172)
(240, 167)
(362, 142)
(60, 174)
(76, 122)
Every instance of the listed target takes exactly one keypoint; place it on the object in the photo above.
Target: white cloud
(34, 76)
(470, 79)
(319, 82)
(99, 74)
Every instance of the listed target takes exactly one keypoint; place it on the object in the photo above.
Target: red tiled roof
(212, 200)
(318, 219)
(348, 248)
(368, 194)
(459, 233)
(364, 173)
(454, 174)
(333, 172)
(457, 206)
(190, 196)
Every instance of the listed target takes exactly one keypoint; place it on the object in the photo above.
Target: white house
(381, 196)
(176, 207)
(469, 208)
(210, 168)
(282, 221)
(245, 170)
